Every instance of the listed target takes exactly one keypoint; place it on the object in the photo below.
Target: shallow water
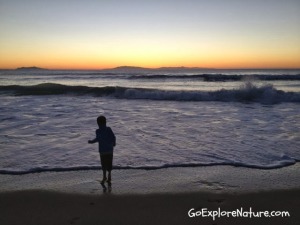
(51, 132)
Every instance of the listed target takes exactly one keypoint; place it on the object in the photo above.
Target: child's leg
(109, 167)
(104, 175)
(103, 164)
(109, 175)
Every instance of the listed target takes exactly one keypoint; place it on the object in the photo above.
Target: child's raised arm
(93, 141)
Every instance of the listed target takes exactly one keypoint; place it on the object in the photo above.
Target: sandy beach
(151, 197)
(42, 207)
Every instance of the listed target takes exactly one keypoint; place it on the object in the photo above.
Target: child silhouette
(107, 140)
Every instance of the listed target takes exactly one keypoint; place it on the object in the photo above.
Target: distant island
(30, 68)
(130, 69)
(166, 69)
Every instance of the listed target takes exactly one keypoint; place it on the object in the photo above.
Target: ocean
(161, 119)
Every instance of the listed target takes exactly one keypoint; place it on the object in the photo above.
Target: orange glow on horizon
(95, 62)
(149, 55)
(90, 57)
(76, 66)
(101, 64)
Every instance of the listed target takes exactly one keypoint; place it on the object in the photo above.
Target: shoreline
(228, 179)
(146, 168)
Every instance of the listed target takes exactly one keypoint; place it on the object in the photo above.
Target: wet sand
(44, 207)
(150, 197)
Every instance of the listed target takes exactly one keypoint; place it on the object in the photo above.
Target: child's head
(101, 120)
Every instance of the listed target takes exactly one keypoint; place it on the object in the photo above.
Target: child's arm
(93, 141)
(96, 139)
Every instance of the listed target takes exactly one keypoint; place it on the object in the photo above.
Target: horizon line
(153, 68)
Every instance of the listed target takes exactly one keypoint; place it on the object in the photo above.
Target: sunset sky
(96, 34)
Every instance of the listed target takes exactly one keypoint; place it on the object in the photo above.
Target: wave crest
(248, 92)
(218, 77)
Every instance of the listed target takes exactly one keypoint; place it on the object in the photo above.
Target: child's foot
(103, 180)
(109, 181)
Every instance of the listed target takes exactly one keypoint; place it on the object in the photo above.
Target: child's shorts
(106, 161)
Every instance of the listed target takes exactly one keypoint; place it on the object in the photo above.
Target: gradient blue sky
(100, 34)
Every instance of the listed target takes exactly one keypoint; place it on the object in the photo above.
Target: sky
(97, 34)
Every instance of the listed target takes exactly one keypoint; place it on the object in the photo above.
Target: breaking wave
(246, 93)
(219, 77)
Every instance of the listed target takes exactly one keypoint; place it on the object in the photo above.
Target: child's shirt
(106, 139)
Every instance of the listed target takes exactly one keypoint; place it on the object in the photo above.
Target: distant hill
(131, 69)
(166, 69)
(30, 68)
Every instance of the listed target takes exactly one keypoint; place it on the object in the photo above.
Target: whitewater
(162, 119)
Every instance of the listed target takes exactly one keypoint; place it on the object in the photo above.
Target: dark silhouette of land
(136, 69)
(165, 69)
(32, 68)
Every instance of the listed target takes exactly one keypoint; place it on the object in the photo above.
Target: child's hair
(101, 120)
